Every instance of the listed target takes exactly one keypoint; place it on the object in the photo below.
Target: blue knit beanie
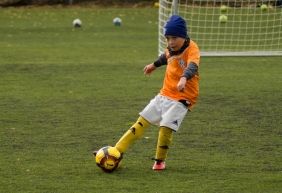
(176, 26)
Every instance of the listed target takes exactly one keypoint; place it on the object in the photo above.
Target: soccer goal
(228, 27)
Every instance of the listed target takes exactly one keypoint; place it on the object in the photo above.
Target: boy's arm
(192, 68)
(148, 69)
(162, 60)
(189, 72)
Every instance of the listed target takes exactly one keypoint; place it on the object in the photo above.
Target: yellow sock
(134, 133)
(164, 140)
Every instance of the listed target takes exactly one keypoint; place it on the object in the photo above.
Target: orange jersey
(174, 71)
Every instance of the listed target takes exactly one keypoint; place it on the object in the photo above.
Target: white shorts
(162, 111)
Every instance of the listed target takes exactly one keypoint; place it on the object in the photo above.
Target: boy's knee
(138, 128)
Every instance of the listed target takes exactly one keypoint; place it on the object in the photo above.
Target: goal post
(228, 27)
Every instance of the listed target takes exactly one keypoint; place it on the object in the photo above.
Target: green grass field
(65, 92)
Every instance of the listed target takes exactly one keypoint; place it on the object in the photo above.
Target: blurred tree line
(66, 2)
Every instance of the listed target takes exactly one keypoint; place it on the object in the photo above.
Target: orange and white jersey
(176, 66)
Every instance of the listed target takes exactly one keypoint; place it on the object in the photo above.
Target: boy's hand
(148, 69)
(181, 84)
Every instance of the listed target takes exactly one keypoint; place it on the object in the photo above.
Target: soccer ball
(223, 18)
(223, 8)
(108, 158)
(76, 23)
(117, 21)
(263, 7)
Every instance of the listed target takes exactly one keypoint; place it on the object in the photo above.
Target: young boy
(178, 94)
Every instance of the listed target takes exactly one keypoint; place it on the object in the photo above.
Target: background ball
(263, 7)
(157, 4)
(117, 21)
(223, 9)
(223, 18)
(76, 23)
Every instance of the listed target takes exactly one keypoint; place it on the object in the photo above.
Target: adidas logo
(175, 122)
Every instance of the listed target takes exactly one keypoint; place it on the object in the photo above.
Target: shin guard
(134, 133)
(164, 140)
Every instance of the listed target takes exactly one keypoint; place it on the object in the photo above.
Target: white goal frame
(250, 29)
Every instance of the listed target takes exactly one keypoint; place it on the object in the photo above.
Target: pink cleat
(159, 165)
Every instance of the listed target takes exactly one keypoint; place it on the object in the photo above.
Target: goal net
(228, 27)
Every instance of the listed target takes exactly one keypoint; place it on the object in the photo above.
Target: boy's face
(175, 43)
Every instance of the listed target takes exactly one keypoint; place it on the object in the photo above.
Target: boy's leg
(164, 140)
(134, 133)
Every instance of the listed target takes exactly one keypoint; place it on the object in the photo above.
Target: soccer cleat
(159, 165)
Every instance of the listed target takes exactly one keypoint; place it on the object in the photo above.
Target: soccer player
(178, 94)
